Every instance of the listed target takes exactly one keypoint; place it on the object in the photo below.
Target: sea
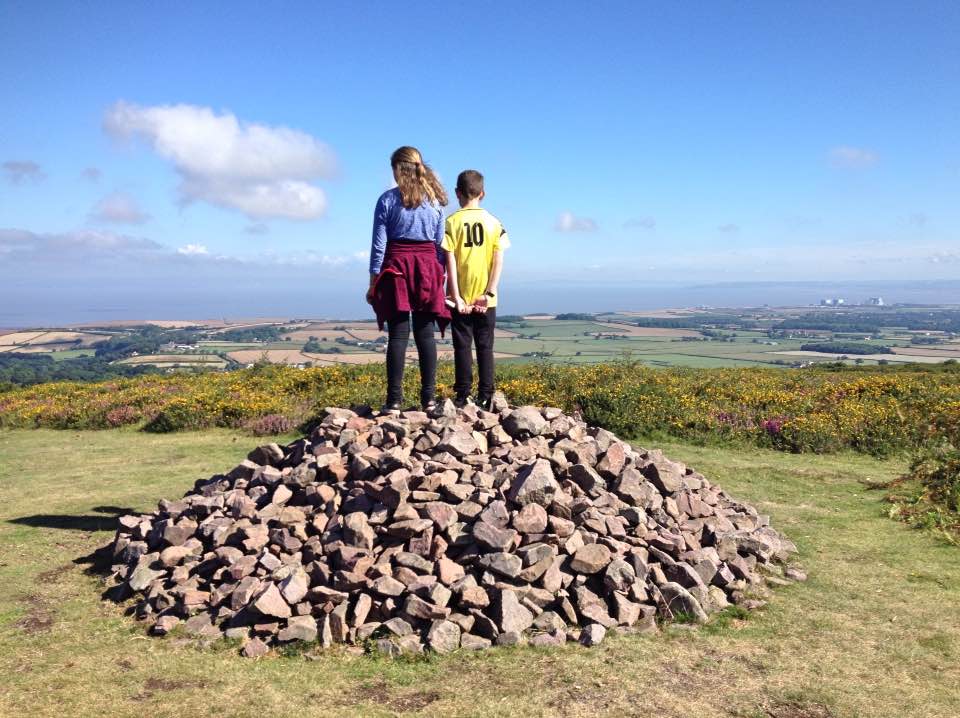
(60, 305)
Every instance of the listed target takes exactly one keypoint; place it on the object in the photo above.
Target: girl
(406, 271)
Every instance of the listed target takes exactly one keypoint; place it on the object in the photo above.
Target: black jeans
(398, 332)
(468, 329)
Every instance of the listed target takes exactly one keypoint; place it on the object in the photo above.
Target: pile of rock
(462, 529)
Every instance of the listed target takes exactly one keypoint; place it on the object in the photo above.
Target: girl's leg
(398, 336)
(423, 325)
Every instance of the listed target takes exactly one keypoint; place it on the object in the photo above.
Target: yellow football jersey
(473, 235)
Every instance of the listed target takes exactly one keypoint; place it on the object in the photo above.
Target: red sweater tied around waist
(411, 280)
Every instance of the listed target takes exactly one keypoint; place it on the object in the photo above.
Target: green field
(722, 338)
(72, 354)
(658, 351)
(874, 633)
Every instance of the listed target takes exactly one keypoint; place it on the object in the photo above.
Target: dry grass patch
(14, 338)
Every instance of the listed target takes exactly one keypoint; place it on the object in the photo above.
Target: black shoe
(390, 406)
(484, 402)
(430, 405)
(462, 401)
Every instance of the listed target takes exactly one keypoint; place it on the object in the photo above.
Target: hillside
(866, 636)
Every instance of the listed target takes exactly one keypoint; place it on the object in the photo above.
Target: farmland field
(177, 360)
(720, 338)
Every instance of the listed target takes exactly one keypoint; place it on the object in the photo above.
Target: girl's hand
(462, 306)
(369, 296)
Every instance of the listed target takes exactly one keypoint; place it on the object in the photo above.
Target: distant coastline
(47, 306)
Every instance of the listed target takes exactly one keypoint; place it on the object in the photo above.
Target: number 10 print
(473, 234)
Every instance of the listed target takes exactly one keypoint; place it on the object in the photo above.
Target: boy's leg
(398, 335)
(461, 328)
(484, 328)
(423, 326)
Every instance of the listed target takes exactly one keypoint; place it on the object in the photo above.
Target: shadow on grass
(107, 521)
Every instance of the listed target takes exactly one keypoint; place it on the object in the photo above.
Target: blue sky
(176, 144)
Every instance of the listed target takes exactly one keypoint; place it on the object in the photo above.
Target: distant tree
(252, 334)
(845, 348)
(29, 369)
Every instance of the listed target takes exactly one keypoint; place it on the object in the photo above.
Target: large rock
(534, 484)
(444, 636)
(299, 628)
(510, 614)
(591, 558)
(592, 635)
(493, 538)
(524, 422)
(680, 601)
(270, 602)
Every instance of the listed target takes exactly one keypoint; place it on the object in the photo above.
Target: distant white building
(832, 302)
(875, 301)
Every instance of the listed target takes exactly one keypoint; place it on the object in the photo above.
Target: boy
(474, 240)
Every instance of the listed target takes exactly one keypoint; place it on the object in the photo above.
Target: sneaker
(462, 401)
(390, 407)
(484, 402)
(430, 406)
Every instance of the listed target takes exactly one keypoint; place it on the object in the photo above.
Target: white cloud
(568, 222)
(260, 170)
(853, 157)
(944, 258)
(19, 171)
(119, 208)
(75, 250)
(640, 223)
(193, 250)
(257, 228)
(19, 244)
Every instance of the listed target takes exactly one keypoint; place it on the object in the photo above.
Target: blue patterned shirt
(391, 220)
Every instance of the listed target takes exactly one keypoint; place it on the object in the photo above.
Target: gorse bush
(938, 471)
(877, 410)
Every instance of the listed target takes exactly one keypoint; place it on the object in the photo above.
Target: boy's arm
(492, 281)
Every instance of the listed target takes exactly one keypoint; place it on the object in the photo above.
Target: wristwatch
(490, 294)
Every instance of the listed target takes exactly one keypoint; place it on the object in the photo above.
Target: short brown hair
(470, 184)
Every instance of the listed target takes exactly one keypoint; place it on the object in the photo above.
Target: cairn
(458, 530)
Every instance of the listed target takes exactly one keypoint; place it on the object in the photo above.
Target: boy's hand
(480, 304)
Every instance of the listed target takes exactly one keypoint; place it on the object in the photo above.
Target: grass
(874, 632)
(71, 354)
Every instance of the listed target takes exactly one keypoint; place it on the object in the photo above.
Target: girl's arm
(378, 244)
(453, 286)
(438, 238)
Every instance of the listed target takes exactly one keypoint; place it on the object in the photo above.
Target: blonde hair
(415, 180)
